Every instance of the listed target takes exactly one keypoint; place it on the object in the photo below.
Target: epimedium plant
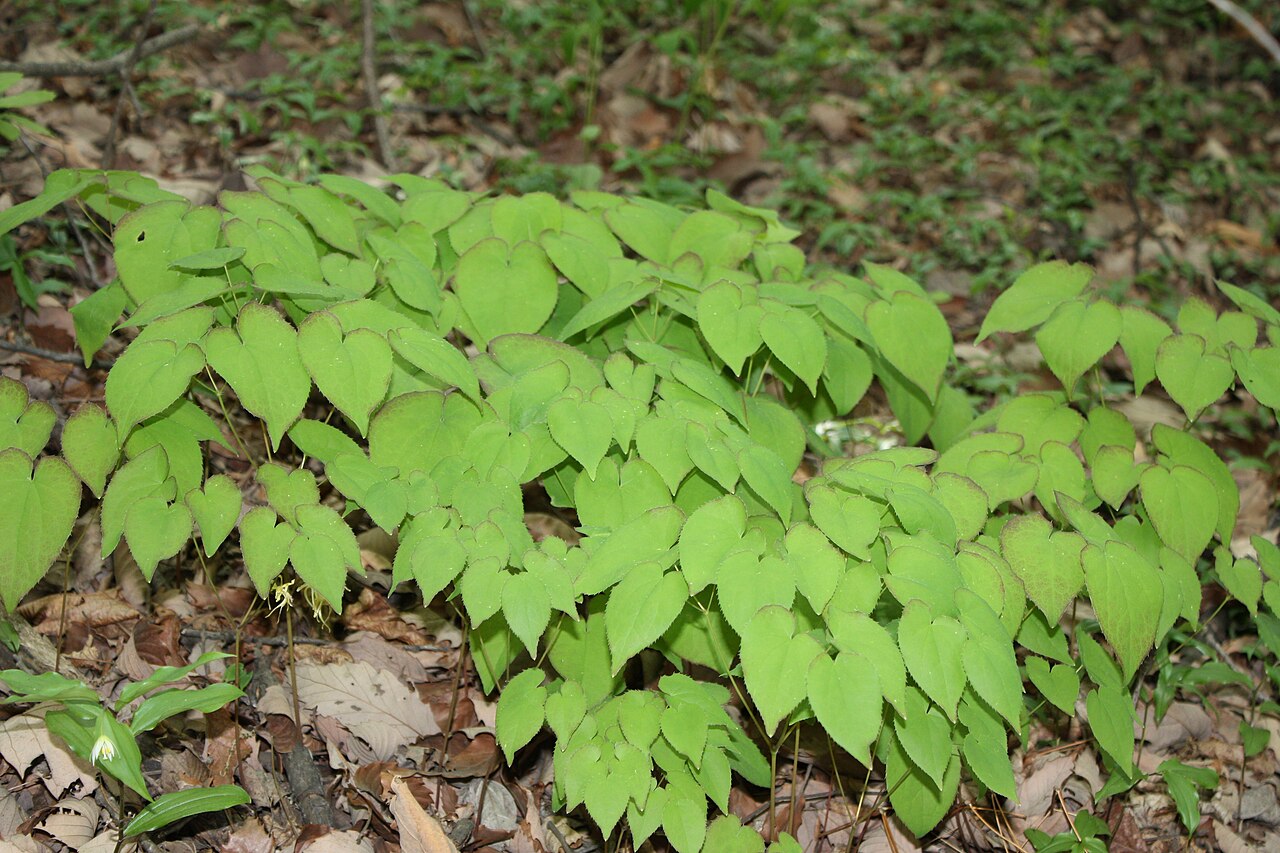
(657, 372)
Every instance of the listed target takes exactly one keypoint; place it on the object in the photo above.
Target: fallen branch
(1251, 26)
(370, 75)
(52, 355)
(105, 67)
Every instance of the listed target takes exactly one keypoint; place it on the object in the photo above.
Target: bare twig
(105, 67)
(126, 87)
(228, 636)
(299, 764)
(1250, 24)
(367, 54)
(51, 355)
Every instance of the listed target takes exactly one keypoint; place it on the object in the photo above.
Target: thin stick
(126, 85)
(105, 67)
(51, 355)
(1251, 26)
(370, 73)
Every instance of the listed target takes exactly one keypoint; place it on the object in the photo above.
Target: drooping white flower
(104, 748)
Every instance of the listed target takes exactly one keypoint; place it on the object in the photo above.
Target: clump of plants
(657, 372)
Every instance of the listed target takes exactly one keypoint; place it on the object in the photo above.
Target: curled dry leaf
(419, 831)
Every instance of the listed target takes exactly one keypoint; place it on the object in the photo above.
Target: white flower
(103, 748)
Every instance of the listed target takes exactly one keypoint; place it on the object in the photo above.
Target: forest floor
(957, 141)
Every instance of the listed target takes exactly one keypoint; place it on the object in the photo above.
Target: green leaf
(1194, 379)
(851, 717)
(746, 583)
(89, 444)
(148, 240)
(162, 706)
(925, 735)
(1242, 578)
(1184, 783)
(1047, 562)
(1114, 474)
(503, 290)
(1259, 370)
(684, 817)
(260, 361)
(177, 805)
(640, 609)
(850, 521)
(917, 801)
(1185, 449)
(1076, 338)
(147, 379)
(1127, 593)
(95, 317)
(24, 425)
(772, 655)
(215, 508)
(989, 660)
(1111, 720)
(156, 530)
(1059, 685)
(729, 835)
(646, 538)
(58, 187)
(931, 648)
(1183, 507)
(729, 317)
(710, 534)
(1254, 739)
(914, 337)
(46, 687)
(521, 711)
(583, 428)
(323, 551)
(816, 566)
(265, 546)
(436, 357)
(662, 443)
(607, 305)
(797, 341)
(527, 606)
(353, 372)
(1141, 334)
(430, 555)
(1033, 296)
(37, 512)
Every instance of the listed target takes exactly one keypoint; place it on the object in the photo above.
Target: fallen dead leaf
(25, 738)
(372, 704)
(419, 831)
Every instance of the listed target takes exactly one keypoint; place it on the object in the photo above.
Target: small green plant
(12, 124)
(1084, 836)
(94, 733)
(658, 374)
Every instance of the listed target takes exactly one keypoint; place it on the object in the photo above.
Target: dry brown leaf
(419, 831)
(371, 703)
(72, 822)
(349, 841)
(24, 738)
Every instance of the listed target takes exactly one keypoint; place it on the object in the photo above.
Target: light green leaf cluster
(656, 372)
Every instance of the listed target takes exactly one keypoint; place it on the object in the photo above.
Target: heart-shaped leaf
(850, 521)
(1076, 337)
(156, 530)
(583, 428)
(37, 512)
(926, 736)
(1183, 507)
(796, 340)
(913, 336)
(772, 657)
(1059, 685)
(352, 372)
(24, 425)
(729, 319)
(1194, 379)
(931, 649)
(1047, 562)
(1114, 474)
(89, 444)
(1259, 370)
(261, 363)
(1033, 295)
(265, 545)
(640, 609)
(505, 291)
(215, 509)
(1127, 594)
(746, 584)
(851, 717)
(287, 490)
(437, 357)
(323, 551)
(148, 378)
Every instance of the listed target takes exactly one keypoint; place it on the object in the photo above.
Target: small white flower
(104, 748)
